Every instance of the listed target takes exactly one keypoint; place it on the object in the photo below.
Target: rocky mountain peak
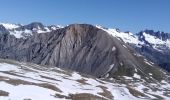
(160, 35)
(80, 47)
(34, 25)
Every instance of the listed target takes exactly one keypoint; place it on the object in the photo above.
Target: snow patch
(150, 74)
(22, 92)
(113, 48)
(76, 76)
(148, 63)
(20, 34)
(136, 76)
(121, 93)
(124, 46)
(128, 78)
(111, 66)
(8, 67)
(126, 37)
(121, 63)
(9, 26)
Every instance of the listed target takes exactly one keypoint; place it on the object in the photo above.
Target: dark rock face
(79, 47)
(33, 25)
(159, 57)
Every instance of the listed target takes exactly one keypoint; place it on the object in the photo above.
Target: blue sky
(127, 15)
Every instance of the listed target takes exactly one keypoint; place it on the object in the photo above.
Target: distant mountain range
(23, 31)
(153, 45)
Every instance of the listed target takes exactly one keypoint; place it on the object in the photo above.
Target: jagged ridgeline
(80, 47)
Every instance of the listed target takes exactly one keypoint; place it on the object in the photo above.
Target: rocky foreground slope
(27, 81)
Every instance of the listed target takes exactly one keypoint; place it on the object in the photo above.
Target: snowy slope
(20, 81)
(156, 42)
(144, 38)
(126, 37)
(9, 26)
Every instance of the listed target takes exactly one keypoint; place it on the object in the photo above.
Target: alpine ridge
(80, 47)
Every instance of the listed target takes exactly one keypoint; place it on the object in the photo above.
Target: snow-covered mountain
(153, 45)
(111, 64)
(27, 81)
(80, 47)
(23, 31)
(157, 40)
(10, 26)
